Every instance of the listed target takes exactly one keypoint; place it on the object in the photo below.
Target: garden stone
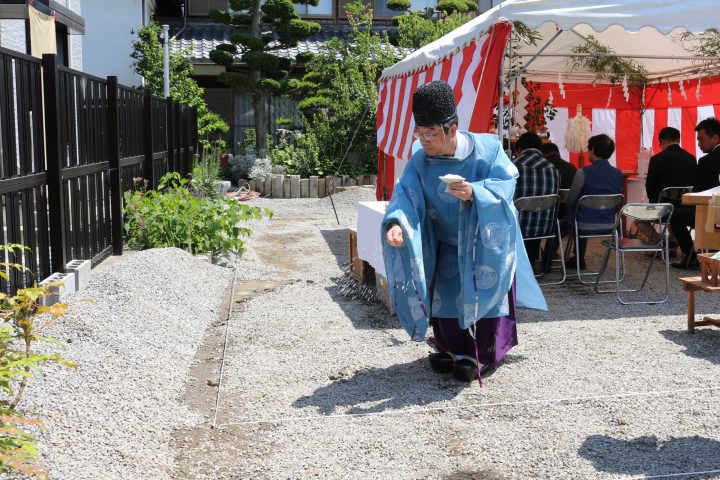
(287, 191)
(373, 180)
(351, 182)
(295, 186)
(329, 184)
(305, 188)
(277, 186)
(313, 186)
(343, 181)
(322, 190)
(268, 185)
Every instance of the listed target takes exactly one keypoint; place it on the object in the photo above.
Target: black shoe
(687, 263)
(465, 370)
(441, 362)
(572, 263)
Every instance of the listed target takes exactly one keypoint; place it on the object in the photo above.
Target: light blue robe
(473, 250)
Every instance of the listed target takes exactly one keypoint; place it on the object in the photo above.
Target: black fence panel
(131, 125)
(23, 198)
(158, 126)
(86, 167)
(61, 181)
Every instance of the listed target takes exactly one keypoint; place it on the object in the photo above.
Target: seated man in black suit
(706, 177)
(672, 167)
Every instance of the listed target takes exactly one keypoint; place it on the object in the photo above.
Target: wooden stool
(692, 285)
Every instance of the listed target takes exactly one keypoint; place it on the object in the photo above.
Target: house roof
(202, 38)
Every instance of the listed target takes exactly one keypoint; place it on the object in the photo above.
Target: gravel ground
(133, 333)
(317, 385)
(332, 388)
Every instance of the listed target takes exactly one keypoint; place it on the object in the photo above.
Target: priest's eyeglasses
(427, 136)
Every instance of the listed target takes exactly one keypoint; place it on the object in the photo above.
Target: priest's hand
(463, 190)
(394, 236)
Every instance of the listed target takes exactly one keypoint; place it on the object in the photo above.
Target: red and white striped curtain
(473, 73)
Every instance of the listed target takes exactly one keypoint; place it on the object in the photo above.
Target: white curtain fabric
(603, 121)
(557, 128)
(648, 128)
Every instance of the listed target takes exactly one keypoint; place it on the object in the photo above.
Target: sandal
(442, 362)
(465, 369)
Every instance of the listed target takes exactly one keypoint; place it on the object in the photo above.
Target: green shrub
(302, 159)
(173, 216)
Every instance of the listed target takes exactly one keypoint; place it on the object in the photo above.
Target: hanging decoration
(626, 90)
(561, 87)
(642, 98)
(697, 90)
(609, 98)
(577, 134)
(681, 87)
(669, 93)
(551, 99)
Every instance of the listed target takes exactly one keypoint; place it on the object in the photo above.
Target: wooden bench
(692, 285)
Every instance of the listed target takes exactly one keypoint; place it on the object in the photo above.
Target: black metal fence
(70, 144)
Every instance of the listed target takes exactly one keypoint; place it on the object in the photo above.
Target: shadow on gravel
(337, 241)
(649, 456)
(702, 344)
(379, 389)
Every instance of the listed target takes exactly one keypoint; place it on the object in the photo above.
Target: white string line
(643, 477)
(471, 406)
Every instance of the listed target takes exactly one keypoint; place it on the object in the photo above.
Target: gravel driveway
(317, 385)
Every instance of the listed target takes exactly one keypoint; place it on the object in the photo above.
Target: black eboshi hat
(434, 104)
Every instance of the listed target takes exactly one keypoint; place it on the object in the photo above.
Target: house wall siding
(110, 29)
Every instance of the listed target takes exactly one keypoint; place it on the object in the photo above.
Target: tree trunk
(260, 121)
(258, 98)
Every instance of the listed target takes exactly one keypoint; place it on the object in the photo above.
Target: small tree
(338, 96)
(261, 73)
(147, 58)
(416, 29)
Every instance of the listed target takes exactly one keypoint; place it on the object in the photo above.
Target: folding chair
(658, 214)
(598, 203)
(539, 204)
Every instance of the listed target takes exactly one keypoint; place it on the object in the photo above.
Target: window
(324, 8)
(202, 7)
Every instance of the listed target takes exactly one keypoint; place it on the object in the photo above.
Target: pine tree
(261, 72)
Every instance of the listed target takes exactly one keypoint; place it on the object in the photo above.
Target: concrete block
(322, 191)
(287, 192)
(343, 181)
(305, 188)
(295, 186)
(351, 182)
(329, 185)
(313, 186)
(81, 269)
(277, 186)
(58, 292)
(223, 186)
(268, 185)
(373, 180)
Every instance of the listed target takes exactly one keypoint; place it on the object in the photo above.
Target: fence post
(148, 167)
(54, 150)
(116, 199)
(170, 130)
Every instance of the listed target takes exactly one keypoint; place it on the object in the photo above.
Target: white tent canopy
(646, 30)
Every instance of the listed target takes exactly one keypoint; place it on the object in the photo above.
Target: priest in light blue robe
(453, 252)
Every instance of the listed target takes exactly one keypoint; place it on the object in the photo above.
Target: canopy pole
(501, 100)
(522, 70)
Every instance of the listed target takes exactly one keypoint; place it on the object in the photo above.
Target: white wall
(12, 35)
(110, 28)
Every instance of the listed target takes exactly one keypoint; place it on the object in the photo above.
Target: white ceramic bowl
(451, 178)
